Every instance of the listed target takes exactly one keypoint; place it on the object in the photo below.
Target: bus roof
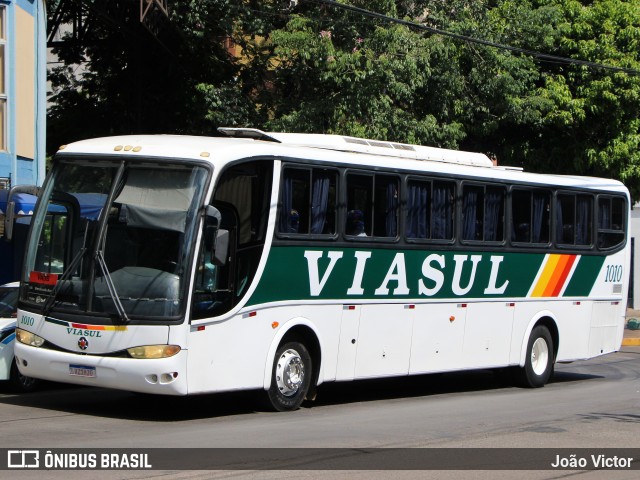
(336, 149)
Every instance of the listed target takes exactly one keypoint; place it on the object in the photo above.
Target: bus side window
(214, 284)
(540, 217)
(483, 213)
(574, 219)
(324, 203)
(472, 212)
(242, 198)
(372, 205)
(430, 209)
(611, 221)
(386, 203)
(418, 224)
(359, 200)
(308, 202)
(442, 210)
(521, 216)
(295, 196)
(530, 216)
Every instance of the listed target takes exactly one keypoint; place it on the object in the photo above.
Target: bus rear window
(611, 221)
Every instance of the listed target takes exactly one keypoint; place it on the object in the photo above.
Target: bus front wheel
(20, 383)
(290, 377)
(538, 365)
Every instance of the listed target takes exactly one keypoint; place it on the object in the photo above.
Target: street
(588, 404)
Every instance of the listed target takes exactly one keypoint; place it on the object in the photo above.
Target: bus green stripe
(410, 274)
(584, 276)
(56, 322)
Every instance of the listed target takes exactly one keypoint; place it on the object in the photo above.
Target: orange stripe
(87, 327)
(115, 328)
(555, 277)
(545, 276)
(563, 276)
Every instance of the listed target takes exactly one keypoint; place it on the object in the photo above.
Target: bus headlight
(29, 338)
(153, 351)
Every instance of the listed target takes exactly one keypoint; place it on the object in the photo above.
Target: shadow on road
(126, 405)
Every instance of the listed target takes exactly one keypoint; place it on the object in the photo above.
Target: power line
(456, 36)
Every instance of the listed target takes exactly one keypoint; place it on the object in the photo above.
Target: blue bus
(12, 251)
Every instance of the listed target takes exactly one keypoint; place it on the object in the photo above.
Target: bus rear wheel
(290, 377)
(538, 365)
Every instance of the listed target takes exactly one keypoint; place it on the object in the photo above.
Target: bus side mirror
(10, 216)
(216, 239)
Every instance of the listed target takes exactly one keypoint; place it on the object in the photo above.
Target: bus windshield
(114, 239)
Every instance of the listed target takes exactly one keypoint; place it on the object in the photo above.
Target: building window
(3, 78)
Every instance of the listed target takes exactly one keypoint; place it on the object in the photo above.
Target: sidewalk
(631, 337)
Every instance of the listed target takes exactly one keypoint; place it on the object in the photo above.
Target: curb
(631, 342)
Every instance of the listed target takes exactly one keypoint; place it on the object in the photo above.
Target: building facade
(22, 92)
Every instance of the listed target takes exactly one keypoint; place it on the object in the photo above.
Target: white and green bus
(280, 262)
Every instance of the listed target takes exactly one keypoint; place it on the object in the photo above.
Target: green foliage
(359, 79)
(122, 79)
(591, 125)
(319, 69)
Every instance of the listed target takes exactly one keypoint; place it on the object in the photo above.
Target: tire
(290, 377)
(19, 383)
(538, 365)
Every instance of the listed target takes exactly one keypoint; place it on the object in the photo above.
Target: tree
(123, 80)
(404, 85)
(319, 68)
(593, 124)
(338, 74)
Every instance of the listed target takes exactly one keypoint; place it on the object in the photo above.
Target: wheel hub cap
(539, 356)
(289, 372)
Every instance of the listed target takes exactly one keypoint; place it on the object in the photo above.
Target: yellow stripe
(547, 273)
(557, 275)
(112, 328)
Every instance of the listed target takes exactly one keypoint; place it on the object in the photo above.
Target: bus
(278, 262)
(12, 252)
(18, 202)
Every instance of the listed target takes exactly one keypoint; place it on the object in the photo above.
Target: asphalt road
(589, 404)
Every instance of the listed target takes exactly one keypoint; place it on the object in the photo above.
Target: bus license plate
(82, 371)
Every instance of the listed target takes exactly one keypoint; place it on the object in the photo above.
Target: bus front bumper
(164, 376)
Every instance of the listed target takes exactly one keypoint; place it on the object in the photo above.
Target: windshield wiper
(46, 309)
(48, 305)
(111, 287)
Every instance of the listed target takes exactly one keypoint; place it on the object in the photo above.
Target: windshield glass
(114, 238)
(8, 302)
